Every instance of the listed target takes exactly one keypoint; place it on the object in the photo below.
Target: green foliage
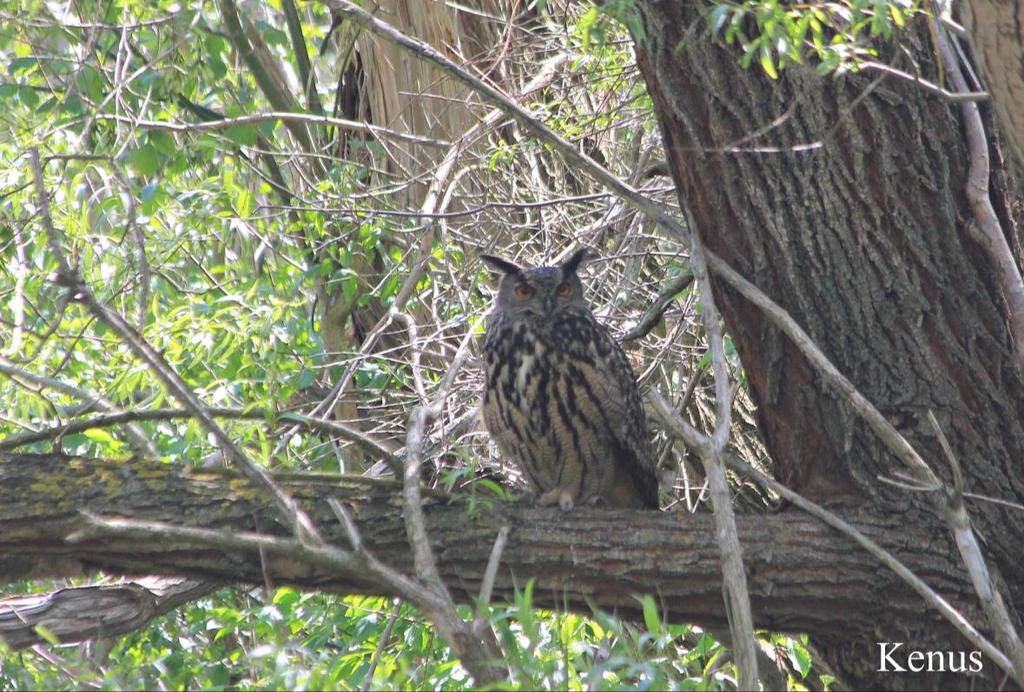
(595, 25)
(836, 34)
(290, 640)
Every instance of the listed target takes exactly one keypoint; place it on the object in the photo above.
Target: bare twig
(371, 444)
(951, 96)
(382, 643)
(479, 651)
(356, 565)
(17, 303)
(487, 583)
(145, 276)
(654, 312)
(995, 501)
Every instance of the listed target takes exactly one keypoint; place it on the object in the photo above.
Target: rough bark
(802, 574)
(848, 208)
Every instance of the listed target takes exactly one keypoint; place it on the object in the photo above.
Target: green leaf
(286, 596)
(46, 634)
(651, 618)
(245, 135)
(799, 657)
(21, 65)
(28, 96)
(101, 435)
(162, 142)
(717, 17)
(767, 62)
(306, 378)
(145, 160)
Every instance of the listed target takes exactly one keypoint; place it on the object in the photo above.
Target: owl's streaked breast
(561, 400)
(548, 409)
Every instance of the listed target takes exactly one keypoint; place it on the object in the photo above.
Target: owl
(561, 399)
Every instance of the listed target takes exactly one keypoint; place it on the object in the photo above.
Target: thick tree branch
(587, 556)
(898, 568)
(92, 612)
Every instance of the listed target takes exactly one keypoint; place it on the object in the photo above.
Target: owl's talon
(563, 498)
(549, 498)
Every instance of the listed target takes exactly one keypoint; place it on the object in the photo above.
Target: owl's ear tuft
(576, 260)
(499, 265)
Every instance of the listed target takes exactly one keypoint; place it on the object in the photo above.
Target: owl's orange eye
(524, 291)
(565, 290)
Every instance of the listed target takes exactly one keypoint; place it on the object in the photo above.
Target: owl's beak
(549, 305)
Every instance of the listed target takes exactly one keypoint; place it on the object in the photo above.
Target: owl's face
(539, 293)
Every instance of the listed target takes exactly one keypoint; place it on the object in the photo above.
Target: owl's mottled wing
(604, 372)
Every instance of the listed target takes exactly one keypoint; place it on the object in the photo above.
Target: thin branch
(357, 565)
(145, 276)
(65, 23)
(283, 116)
(951, 96)
(478, 649)
(382, 643)
(734, 578)
(995, 501)
(117, 417)
(381, 448)
(985, 228)
(419, 541)
(298, 39)
(487, 583)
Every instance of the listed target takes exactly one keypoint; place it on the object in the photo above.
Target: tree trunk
(846, 204)
(801, 573)
(996, 30)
